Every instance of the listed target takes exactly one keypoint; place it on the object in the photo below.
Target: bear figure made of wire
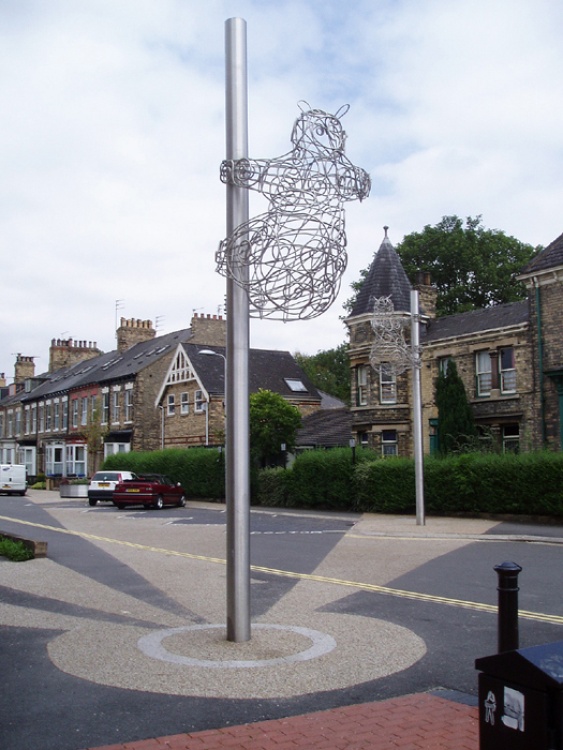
(291, 258)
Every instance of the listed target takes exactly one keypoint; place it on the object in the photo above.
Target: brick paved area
(414, 722)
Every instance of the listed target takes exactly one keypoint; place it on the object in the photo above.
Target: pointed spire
(386, 278)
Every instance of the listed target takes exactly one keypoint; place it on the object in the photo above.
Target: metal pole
(508, 637)
(238, 443)
(417, 412)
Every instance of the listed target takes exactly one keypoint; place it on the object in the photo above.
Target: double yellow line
(403, 594)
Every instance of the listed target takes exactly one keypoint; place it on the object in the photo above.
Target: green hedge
(525, 484)
(200, 471)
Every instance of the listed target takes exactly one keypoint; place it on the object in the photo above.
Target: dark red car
(149, 490)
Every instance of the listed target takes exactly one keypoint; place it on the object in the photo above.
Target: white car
(103, 483)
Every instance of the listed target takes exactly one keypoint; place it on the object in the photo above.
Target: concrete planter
(73, 490)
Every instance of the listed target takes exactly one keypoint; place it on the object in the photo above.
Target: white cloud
(112, 134)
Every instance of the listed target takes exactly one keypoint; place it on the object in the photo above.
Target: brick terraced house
(152, 391)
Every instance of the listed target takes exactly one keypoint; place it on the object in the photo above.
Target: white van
(13, 479)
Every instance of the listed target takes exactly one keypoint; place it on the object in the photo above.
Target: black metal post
(508, 639)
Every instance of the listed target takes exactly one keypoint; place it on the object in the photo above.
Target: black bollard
(508, 639)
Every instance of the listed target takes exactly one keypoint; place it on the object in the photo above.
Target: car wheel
(158, 502)
(92, 501)
(120, 506)
(181, 502)
(146, 506)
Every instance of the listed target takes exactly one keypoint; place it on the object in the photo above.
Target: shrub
(15, 550)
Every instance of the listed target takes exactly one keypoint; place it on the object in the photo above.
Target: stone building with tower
(509, 356)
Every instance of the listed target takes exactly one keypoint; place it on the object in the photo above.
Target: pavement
(301, 643)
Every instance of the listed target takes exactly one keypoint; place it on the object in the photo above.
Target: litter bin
(521, 699)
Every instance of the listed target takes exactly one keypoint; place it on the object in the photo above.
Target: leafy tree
(328, 370)
(471, 266)
(273, 421)
(456, 427)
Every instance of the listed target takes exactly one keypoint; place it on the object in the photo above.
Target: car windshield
(106, 476)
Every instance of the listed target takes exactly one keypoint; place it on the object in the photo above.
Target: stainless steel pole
(238, 442)
(417, 411)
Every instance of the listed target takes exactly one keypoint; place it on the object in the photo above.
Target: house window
(27, 420)
(389, 443)
(483, 373)
(18, 416)
(507, 370)
(105, 408)
(27, 457)
(115, 407)
(56, 416)
(363, 439)
(54, 460)
(10, 424)
(511, 438)
(93, 408)
(84, 411)
(199, 402)
(34, 419)
(443, 364)
(129, 405)
(111, 448)
(76, 460)
(65, 413)
(171, 405)
(362, 385)
(387, 385)
(41, 417)
(75, 412)
(184, 403)
(48, 416)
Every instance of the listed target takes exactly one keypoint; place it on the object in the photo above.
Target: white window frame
(507, 374)
(105, 407)
(128, 405)
(54, 459)
(115, 406)
(362, 385)
(56, 415)
(387, 386)
(74, 407)
(483, 373)
(185, 403)
(199, 402)
(170, 405)
(76, 458)
(84, 411)
(389, 443)
(65, 414)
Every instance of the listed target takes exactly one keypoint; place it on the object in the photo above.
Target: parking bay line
(375, 588)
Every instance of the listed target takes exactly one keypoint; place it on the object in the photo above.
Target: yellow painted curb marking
(477, 606)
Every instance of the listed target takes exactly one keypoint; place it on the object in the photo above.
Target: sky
(112, 132)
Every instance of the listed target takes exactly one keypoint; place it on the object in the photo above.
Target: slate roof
(475, 321)
(106, 367)
(550, 257)
(267, 369)
(326, 428)
(386, 277)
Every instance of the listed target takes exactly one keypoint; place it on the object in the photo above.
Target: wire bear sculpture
(390, 353)
(295, 253)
